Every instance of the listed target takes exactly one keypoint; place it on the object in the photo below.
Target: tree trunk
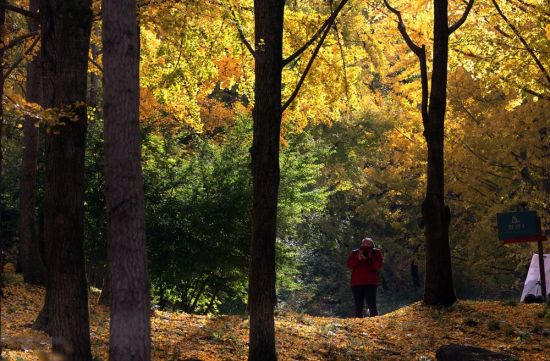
(268, 18)
(2, 27)
(65, 36)
(211, 302)
(2, 80)
(105, 294)
(127, 256)
(93, 96)
(42, 322)
(438, 286)
(31, 259)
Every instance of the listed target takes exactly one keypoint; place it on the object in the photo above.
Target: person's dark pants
(362, 293)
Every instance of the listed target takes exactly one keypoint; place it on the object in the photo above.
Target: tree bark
(31, 259)
(268, 17)
(65, 36)
(93, 96)
(105, 294)
(438, 286)
(127, 257)
(2, 81)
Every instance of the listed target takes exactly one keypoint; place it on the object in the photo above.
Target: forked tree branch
(328, 22)
(308, 67)
(461, 21)
(420, 52)
(18, 61)
(524, 42)
(401, 26)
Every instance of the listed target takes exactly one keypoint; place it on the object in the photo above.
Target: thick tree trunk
(31, 259)
(65, 35)
(127, 257)
(438, 286)
(268, 17)
(42, 322)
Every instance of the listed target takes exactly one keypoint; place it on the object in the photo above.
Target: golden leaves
(403, 334)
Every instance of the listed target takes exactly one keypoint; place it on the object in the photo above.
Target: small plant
(537, 329)
(524, 336)
(216, 336)
(493, 325)
(545, 313)
(303, 319)
(511, 303)
(510, 332)
(436, 314)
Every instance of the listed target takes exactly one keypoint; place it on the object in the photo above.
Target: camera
(367, 252)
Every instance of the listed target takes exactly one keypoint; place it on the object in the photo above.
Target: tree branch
(328, 22)
(18, 40)
(19, 10)
(344, 64)
(401, 26)
(18, 61)
(240, 30)
(537, 94)
(461, 21)
(99, 67)
(524, 42)
(420, 52)
(308, 67)
(424, 81)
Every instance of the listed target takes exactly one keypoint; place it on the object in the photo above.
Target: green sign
(517, 225)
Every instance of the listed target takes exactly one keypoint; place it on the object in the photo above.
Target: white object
(532, 282)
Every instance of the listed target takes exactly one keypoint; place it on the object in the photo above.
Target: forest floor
(410, 333)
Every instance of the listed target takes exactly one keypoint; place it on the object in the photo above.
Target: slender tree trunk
(196, 297)
(2, 24)
(211, 302)
(93, 96)
(2, 81)
(105, 294)
(65, 36)
(31, 259)
(438, 286)
(127, 256)
(268, 18)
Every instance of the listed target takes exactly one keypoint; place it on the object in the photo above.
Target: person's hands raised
(361, 256)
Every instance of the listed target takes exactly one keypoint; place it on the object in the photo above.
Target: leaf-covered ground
(410, 333)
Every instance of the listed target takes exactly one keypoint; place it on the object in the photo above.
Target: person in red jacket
(365, 264)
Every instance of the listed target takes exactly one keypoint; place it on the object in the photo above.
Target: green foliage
(197, 220)
(493, 325)
(198, 199)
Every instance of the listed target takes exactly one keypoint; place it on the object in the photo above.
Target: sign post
(518, 227)
(542, 271)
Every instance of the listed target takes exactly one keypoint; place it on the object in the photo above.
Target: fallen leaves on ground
(410, 333)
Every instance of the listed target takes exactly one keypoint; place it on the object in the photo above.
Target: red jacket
(365, 272)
